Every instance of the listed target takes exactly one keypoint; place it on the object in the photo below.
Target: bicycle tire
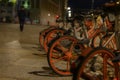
(49, 37)
(105, 68)
(42, 35)
(57, 52)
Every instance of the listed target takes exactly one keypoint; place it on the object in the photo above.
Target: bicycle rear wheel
(61, 53)
(97, 65)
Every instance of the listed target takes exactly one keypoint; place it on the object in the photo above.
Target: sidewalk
(20, 55)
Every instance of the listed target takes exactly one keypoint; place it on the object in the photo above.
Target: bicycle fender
(86, 51)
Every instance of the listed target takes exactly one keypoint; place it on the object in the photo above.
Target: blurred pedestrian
(21, 17)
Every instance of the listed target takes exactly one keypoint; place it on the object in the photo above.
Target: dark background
(86, 4)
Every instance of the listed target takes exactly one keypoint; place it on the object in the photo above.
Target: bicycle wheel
(52, 34)
(97, 66)
(42, 35)
(61, 53)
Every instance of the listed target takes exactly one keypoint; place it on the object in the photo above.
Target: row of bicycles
(84, 48)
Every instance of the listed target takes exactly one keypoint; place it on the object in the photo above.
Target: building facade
(6, 11)
(38, 11)
(45, 11)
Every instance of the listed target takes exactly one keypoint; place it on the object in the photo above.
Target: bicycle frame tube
(85, 32)
(109, 39)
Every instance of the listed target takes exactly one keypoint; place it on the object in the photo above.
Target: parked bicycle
(99, 63)
(66, 49)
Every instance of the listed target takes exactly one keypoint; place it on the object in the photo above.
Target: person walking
(21, 17)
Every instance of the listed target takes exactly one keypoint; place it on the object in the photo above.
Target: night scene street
(59, 39)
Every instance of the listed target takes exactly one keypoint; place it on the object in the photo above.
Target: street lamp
(118, 2)
(68, 8)
(69, 11)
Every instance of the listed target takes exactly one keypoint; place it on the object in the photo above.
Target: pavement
(21, 57)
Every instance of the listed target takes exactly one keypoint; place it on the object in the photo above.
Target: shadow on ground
(46, 72)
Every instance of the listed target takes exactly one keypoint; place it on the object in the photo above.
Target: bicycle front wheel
(43, 34)
(52, 35)
(98, 65)
(61, 53)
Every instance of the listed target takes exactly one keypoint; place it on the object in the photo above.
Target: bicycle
(56, 33)
(65, 50)
(52, 32)
(98, 63)
(43, 33)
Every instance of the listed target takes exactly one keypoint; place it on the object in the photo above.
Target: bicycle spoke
(57, 59)
(61, 47)
(68, 66)
(60, 55)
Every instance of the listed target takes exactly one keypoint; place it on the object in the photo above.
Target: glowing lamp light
(48, 14)
(69, 15)
(68, 8)
(57, 16)
(13, 1)
(26, 5)
(117, 2)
